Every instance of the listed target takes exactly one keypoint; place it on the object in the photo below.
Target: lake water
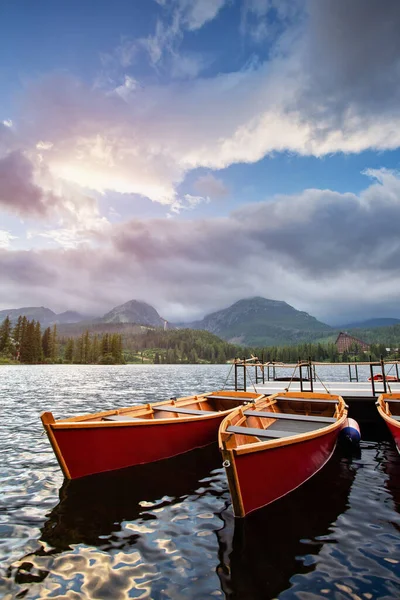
(167, 530)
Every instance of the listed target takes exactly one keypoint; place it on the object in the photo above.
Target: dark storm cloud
(350, 57)
(323, 232)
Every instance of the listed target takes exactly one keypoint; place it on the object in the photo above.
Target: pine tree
(46, 343)
(69, 350)
(22, 337)
(78, 352)
(18, 331)
(38, 343)
(28, 342)
(86, 347)
(54, 344)
(105, 344)
(95, 350)
(5, 336)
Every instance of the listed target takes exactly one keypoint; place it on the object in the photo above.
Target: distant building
(345, 341)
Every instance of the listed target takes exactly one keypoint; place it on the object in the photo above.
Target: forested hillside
(25, 342)
(390, 336)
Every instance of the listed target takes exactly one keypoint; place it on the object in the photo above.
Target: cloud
(143, 139)
(321, 251)
(5, 238)
(196, 13)
(18, 191)
(210, 186)
(313, 96)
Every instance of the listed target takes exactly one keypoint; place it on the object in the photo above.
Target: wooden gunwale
(88, 421)
(300, 437)
(383, 407)
(230, 451)
(259, 446)
(48, 422)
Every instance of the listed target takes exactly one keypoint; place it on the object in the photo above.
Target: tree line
(25, 343)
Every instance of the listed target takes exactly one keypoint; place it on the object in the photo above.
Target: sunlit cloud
(6, 238)
(272, 249)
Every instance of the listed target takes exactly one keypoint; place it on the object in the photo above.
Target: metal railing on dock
(306, 370)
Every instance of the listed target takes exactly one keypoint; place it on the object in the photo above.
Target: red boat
(389, 409)
(379, 377)
(276, 444)
(115, 439)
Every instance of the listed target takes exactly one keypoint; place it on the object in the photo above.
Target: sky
(191, 153)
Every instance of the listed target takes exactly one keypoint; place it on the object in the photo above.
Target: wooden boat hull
(391, 422)
(277, 444)
(268, 475)
(95, 450)
(136, 435)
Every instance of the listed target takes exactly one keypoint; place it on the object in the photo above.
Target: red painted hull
(269, 474)
(97, 449)
(395, 431)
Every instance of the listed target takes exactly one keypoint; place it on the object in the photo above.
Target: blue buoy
(350, 432)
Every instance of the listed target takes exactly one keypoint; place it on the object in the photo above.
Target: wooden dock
(359, 395)
(348, 389)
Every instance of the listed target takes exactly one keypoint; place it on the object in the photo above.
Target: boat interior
(191, 406)
(392, 406)
(280, 417)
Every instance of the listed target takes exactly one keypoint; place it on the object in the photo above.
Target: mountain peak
(261, 321)
(134, 311)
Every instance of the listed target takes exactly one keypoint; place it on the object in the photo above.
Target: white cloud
(140, 139)
(5, 238)
(196, 13)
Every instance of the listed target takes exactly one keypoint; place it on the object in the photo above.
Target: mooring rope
(226, 380)
(293, 374)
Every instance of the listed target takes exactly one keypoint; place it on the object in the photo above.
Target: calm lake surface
(167, 530)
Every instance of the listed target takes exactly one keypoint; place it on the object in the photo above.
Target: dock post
(262, 368)
(236, 377)
(244, 375)
(383, 375)
(300, 375)
(372, 375)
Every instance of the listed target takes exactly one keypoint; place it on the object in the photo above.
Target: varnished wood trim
(233, 482)
(48, 422)
(296, 439)
(259, 446)
(383, 409)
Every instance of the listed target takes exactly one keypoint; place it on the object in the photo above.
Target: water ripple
(167, 530)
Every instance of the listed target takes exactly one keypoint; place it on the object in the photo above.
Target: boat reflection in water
(391, 466)
(93, 508)
(260, 554)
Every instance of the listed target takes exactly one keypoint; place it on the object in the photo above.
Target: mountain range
(42, 314)
(251, 322)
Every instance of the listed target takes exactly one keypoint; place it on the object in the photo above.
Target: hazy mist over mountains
(252, 321)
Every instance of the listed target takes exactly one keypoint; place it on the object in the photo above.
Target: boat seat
(395, 417)
(121, 418)
(185, 411)
(294, 417)
(238, 399)
(319, 400)
(261, 433)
